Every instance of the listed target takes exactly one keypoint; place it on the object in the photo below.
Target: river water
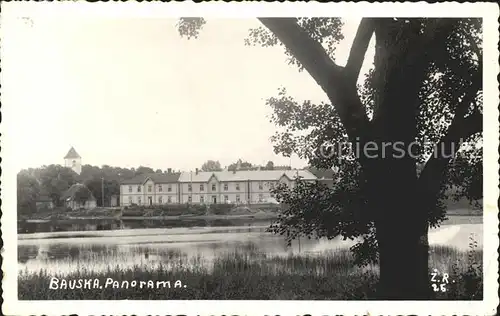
(100, 245)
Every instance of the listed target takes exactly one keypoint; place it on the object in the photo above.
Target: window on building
(169, 199)
(261, 197)
(237, 186)
(214, 188)
(150, 188)
(225, 186)
(138, 188)
(226, 198)
(202, 199)
(260, 186)
(190, 199)
(271, 185)
(160, 188)
(139, 200)
(169, 188)
(160, 200)
(130, 200)
(74, 163)
(202, 187)
(190, 188)
(130, 188)
(237, 198)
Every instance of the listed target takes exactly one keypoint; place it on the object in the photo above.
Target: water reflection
(30, 227)
(64, 247)
(61, 253)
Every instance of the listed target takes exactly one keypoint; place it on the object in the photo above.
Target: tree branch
(437, 30)
(329, 76)
(434, 35)
(469, 125)
(461, 128)
(308, 52)
(358, 50)
(474, 46)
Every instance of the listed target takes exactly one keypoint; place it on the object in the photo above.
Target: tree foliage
(28, 191)
(82, 194)
(439, 62)
(452, 75)
(211, 165)
(143, 170)
(240, 165)
(269, 165)
(54, 180)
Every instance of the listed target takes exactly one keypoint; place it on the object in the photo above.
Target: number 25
(441, 287)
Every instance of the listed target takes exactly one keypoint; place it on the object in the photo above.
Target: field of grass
(248, 274)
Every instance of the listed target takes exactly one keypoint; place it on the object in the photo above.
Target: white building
(240, 187)
(150, 189)
(73, 160)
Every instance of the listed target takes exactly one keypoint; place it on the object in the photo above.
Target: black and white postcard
(249, 158)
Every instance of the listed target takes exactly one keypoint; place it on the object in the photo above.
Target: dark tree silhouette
(143, 170)
(82, 194)
(423, 92)
(28, 190)
(211, 165)
(269, 165)
(240, 164)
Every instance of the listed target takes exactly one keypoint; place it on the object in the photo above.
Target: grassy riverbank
(457, 214)
(176, 212)
(248, 274)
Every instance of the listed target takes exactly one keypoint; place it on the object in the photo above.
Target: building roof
(327, 174)
(155, 177)
(70, 193)
(253, 175)
(72, 154)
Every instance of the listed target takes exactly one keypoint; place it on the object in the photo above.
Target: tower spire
(73, 160)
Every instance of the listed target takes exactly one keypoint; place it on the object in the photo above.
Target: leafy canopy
(448, 104)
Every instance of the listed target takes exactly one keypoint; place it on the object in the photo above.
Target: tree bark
(401, 230)
(400, 219)
(404, 255)
(399, 203)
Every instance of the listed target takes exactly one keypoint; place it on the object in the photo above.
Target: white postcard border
(490, 13)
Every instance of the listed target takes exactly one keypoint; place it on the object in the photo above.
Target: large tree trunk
(403, 264)
(401, 229)
(400, 205)
(403, 254)
(400, 222)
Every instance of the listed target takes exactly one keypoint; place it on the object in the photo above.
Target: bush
(221, 209)
(133, 212)
(173, 210)
(469, 283)
(243, 274)
(247, 273)
(181, 209)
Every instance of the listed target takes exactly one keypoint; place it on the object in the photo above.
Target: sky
(131, 92)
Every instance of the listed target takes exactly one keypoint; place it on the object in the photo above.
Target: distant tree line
(240, 164)
(53, 181)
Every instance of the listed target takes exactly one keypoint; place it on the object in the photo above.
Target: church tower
(73, 160)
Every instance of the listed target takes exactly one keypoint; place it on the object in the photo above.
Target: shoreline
(257, 216)
(163, 218)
